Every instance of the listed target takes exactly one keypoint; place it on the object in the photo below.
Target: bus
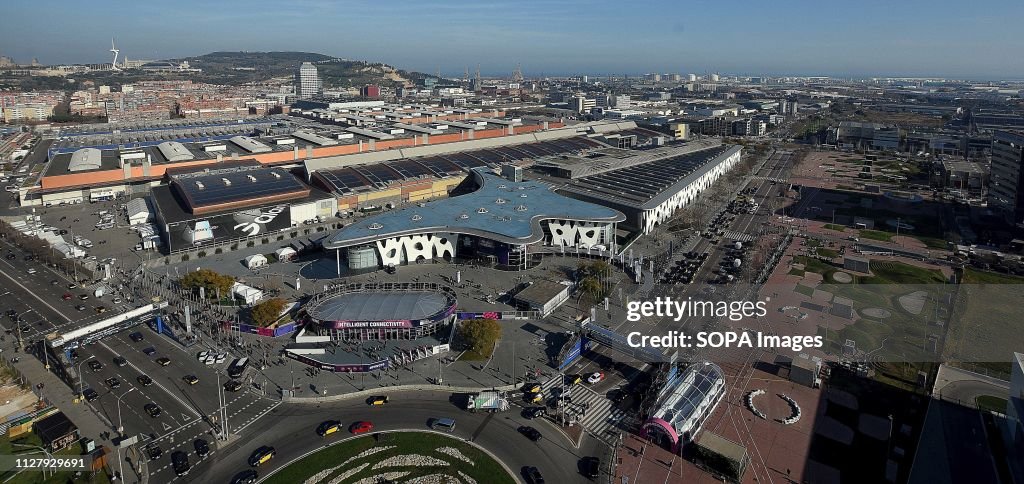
(238, 367)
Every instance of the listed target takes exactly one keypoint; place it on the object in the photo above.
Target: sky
(980, 39)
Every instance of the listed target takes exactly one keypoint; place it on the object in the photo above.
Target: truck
(488, 401)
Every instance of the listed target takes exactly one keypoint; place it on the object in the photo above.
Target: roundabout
(400, 456)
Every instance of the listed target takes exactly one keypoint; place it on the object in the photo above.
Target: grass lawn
(831, 254)
(974, 276)
(836, 227)
(933, 242)
(989, 403)
(888, 272)
(805, 290)
(876, 235)
(814, 265)
(22, 446)
(396, 444)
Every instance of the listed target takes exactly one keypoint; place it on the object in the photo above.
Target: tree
(210, 280)
(591, 277)
(266, 312)
(480, 335)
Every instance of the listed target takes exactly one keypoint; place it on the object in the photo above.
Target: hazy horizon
(802, 38)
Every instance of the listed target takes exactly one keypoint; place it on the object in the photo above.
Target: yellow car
(329, 427)
(532, 388)
(573, 379)
(378, 400)
(261, 456)
(534, 397)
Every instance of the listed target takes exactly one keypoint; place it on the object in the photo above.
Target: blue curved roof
(499, 209)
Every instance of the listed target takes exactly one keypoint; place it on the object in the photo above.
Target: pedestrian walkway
(593, 411)
(742, 237)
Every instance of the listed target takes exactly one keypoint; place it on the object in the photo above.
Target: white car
(595, 377)
(202, 355)
(31, 271)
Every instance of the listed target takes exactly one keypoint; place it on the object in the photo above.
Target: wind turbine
(115, 51)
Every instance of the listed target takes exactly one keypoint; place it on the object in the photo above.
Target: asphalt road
(291, 430)
(256, 418)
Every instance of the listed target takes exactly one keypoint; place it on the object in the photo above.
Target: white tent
(284, 254)
(255, 260)
(138, 211)
(248, 294)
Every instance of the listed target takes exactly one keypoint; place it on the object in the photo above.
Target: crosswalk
(591, 410)
(742, 237)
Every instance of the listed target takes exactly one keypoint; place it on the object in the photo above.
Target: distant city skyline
(873, 38)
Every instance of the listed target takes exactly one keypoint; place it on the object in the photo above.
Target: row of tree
(44, 253)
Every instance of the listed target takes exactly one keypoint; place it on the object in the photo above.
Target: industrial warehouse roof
(380, 306)
(173, 209)
(499, 209)
(648, 185)
(229, 185)
(85, 159)
(366, 177)
(175, 151)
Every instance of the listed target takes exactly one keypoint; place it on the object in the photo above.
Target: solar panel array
(641, 183)
(202, 191)
(359, 178)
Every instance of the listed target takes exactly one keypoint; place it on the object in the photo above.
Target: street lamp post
(120, 427)
(80, 373)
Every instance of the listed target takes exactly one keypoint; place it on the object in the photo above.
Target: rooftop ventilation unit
(200, 185)
(417, 217)
(375, 226)
(276, 175)
(226, 182)
(251, 178)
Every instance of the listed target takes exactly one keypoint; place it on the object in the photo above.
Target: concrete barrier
(395, 389)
